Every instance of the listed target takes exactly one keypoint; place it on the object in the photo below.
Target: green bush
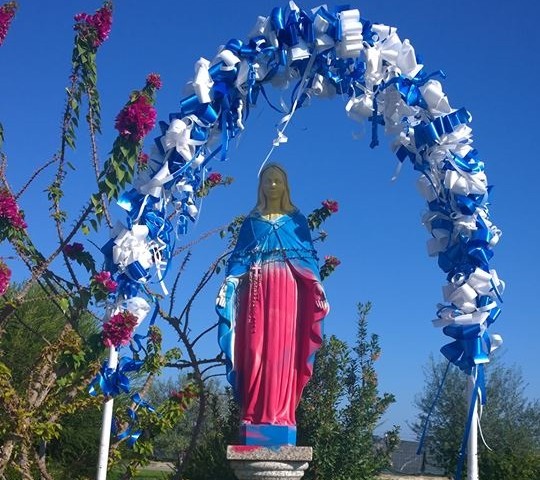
(496, 465)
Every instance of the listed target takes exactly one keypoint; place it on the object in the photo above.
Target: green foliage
(143, 474)
(166, 423)
(232, 231)
(76, 448)
(38, 350)
(319, 416)
(510, 422)
(172, 442)
(36, 322)
(209, 460)
(341, 408)
(169, 442)
(118, 170)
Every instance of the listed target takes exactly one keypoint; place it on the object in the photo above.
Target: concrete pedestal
(268, 463)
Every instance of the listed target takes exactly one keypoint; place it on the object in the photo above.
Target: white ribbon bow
(351, 43)
(202, 81)
(131, 246)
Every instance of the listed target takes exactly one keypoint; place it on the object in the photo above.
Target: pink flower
(332, 261)
(7, 12)
(118, 330)
(331, 205)
(111, 286)
(136, 119)
(9, 211)
(73, 249)
(143, 158)
(183, 397)
(330, 264)
(5, 276)
(104, 278)
(154, 80)
(214, 178)
(95, 28)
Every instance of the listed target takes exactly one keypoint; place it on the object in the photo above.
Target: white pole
(472, 450)
(106, 425)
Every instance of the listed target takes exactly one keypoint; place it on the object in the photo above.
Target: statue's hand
(320, 297)
(221, 299)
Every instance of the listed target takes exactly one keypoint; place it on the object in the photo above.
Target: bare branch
(204, 236)
(210, 367)
(95, 155)
(34, 176)
(177, 279)
(205, 279)
(215, 375)
(181, 364)
(202, 334)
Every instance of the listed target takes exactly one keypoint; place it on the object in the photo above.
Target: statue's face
(273, 184)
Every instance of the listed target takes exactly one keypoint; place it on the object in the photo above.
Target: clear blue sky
(489, 51)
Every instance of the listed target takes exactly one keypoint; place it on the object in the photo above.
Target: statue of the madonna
(271, 306)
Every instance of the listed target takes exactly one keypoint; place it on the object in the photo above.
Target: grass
(151, 475)
(143, 474)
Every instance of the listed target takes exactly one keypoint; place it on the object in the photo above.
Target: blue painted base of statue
(268, 435)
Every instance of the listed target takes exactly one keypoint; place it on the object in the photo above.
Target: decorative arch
(323, 53)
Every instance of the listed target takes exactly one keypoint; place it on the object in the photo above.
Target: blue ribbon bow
(113, 381)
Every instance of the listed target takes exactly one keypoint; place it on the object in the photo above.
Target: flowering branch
(7, 12)
(330, 264)
(5, 276)
(213, 180)
(91, 30)
(11, 217)
(133, 123)
(315, 220)
(319, 215)
(117, 331)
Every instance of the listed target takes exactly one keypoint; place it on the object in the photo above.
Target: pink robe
(277, 330)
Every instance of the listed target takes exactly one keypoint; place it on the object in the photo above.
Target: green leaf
(124, 150)
(120, 172)
(64, 304)
(111, 187)
(95, 224)
(132, 161)
(70, 141)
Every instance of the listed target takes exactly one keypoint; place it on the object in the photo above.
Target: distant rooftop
(405, 460)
